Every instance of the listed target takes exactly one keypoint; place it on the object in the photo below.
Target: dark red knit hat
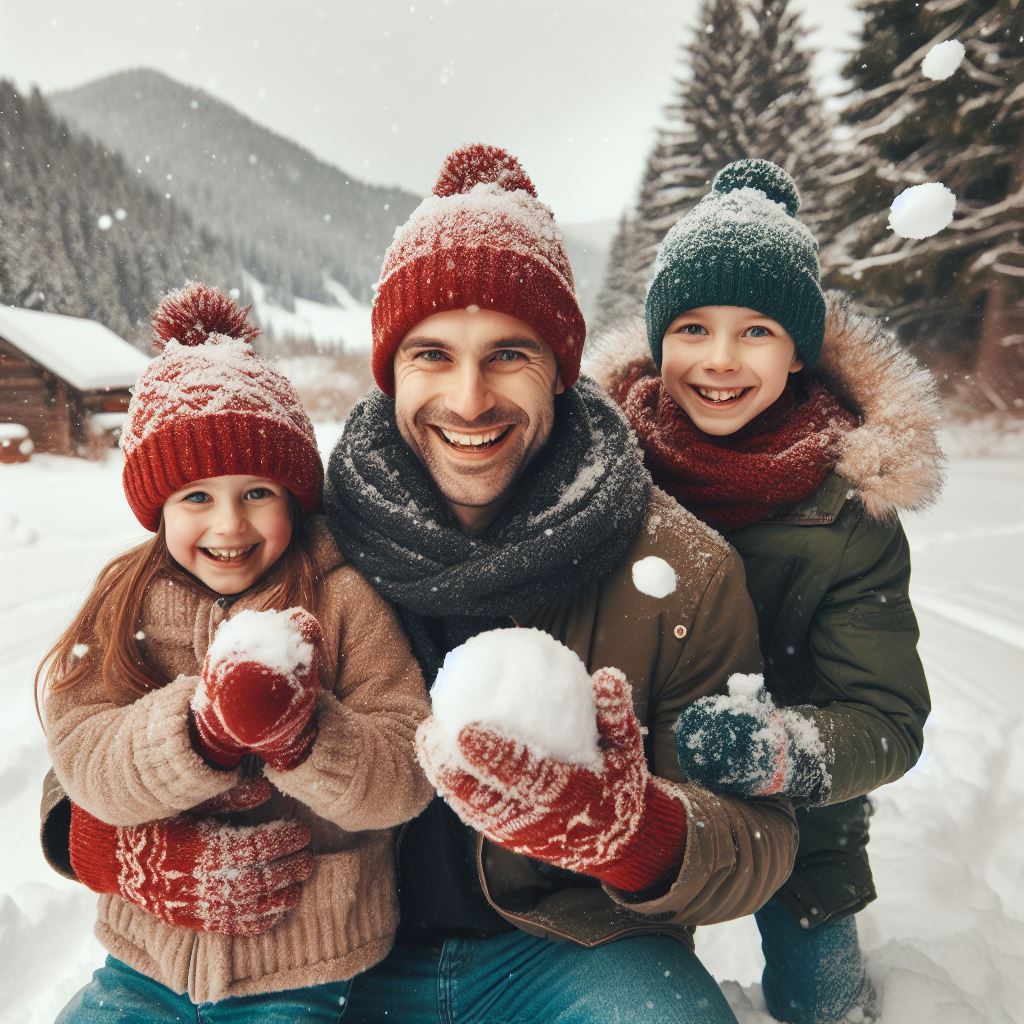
(482, 239)
(209, 406)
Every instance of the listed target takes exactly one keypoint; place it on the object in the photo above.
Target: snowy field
(946, 939)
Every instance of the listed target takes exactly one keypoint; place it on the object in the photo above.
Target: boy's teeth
(473, 440)
(721, 394)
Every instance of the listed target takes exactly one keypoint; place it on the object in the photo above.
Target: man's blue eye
(431, 355)
(508, 355)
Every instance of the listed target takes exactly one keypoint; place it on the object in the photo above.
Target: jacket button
(679, 632)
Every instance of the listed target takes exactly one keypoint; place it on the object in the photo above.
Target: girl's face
(723, 365)
(227, 531)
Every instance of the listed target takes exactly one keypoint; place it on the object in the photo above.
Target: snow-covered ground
(945, 941)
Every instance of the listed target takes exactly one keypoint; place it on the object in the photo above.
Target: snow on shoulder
(922, 210)
(942, 60)
(269, 638)
(524, 684)
(654, 576)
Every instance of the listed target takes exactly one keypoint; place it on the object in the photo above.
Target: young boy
(797, 429)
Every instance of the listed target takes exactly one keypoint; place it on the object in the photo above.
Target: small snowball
(922, 210)
(270, 638)
(942, 60)
(524, 683)
(654, 576)
(80, 650)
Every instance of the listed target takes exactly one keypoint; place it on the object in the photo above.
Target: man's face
(724, 365)
(474, 399)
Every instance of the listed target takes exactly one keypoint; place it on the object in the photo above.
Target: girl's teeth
(226, 554)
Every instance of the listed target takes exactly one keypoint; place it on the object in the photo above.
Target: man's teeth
(226, 554)
(720, 394)
(472, 440)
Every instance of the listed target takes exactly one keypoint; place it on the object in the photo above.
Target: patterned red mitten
(617, 823)
(197, 872)
(248, 703)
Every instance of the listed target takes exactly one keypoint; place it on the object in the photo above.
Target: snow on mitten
(258, 689)
(609, 819)
(197, 872)
(741, 743)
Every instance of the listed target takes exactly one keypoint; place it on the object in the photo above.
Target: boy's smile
(723, 365)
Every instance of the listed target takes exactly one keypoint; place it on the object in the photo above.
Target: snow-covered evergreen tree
(961, 291)
(618, 297)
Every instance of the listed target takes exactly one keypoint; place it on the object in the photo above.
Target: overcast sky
(384, 88)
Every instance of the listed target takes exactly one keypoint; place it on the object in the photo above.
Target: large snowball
(942, 60)
(922, 210)
(654, 576)
(526, 685)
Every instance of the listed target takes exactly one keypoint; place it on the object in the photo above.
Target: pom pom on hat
(191, 314)
(465, 168)
(762, 175)
(209, 406)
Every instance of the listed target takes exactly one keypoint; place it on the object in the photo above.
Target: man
(485, 486)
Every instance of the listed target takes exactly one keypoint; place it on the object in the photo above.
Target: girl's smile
(227, 531)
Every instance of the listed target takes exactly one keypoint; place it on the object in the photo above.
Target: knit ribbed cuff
(657, 848)
(93, 850)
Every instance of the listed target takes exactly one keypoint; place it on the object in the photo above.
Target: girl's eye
(758, 332)
(692, 329)
(258, 493)
(197, 498)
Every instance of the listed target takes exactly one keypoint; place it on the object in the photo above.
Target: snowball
(942, 60)
(527, 685)
(270, 638)
(741, 685)
(105, 222)
(922, 210)
(654, 576)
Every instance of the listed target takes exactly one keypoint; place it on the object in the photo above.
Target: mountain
(288, 218)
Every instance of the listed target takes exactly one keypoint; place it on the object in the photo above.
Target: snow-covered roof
(83, 352)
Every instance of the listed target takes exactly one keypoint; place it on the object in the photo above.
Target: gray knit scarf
(574, 514)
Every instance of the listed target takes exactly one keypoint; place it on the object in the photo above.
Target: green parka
(830, 580)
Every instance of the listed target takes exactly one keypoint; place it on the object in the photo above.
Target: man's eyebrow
(514, 342)
(424, 342)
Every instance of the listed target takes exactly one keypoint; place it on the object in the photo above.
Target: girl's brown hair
(107, 624)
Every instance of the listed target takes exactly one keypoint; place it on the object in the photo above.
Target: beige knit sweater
(131, 764)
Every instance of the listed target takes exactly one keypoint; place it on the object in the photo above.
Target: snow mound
(270, 638)
(654, 576)
(942, 60)
(526, 685)
(922, 210)
(14, 533)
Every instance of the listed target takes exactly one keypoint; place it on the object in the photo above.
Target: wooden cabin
(65, 380)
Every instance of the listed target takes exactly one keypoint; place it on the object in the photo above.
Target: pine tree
(618, 299)
(960, 291)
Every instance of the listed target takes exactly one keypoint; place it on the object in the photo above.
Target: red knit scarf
(781, 457)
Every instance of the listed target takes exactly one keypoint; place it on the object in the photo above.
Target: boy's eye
(692, 329)
(758, 331)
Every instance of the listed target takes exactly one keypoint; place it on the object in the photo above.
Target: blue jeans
(520, 979)
(811, 975)
(117, 993)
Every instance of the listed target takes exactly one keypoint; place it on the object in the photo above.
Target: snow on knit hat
(741, 245)
(208, 406)
(482, 239)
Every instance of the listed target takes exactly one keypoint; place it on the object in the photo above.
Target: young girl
(233, 663)
(802, 464)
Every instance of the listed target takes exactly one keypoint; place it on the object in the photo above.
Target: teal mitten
(740, 742)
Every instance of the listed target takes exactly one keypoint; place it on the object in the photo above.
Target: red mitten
(617, 823)
(197, 872)
(258, 690)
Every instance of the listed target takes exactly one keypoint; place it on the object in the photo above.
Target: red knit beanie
(482, 239)
(209, 406)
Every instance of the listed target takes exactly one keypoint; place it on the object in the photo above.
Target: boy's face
(723, 365)
(475, 400)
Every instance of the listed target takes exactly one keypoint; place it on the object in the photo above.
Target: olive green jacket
(830, 579)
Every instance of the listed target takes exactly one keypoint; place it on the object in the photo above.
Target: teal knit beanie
(741, 245)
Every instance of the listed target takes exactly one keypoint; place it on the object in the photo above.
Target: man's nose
(470, 395)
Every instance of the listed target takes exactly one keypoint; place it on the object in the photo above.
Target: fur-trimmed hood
(893, 458)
